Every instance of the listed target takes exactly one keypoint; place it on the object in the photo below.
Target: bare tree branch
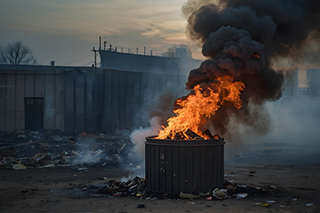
(16, 53)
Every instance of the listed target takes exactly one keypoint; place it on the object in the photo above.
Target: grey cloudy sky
(66, 30)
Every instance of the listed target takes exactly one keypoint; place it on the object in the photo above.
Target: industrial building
(84, 99)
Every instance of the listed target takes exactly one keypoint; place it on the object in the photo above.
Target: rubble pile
(136, 187)
(48, 148)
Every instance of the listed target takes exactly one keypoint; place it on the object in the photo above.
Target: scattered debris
(270, 201)
(241, 196)
(48, 148)
(18, 166)
(190, 196)
(136, 187)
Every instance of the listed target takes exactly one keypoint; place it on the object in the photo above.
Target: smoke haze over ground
(293, 137)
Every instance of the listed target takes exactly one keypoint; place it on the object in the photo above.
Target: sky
(65, 31)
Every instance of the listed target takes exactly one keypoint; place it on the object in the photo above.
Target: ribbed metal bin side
(190, 166)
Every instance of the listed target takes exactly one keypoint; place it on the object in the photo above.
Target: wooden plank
(11, 103)
(20, 121)
(49, 105)
(29, 85)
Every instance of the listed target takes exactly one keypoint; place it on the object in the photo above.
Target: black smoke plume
(239, 38)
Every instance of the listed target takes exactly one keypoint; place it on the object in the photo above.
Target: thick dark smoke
(239, 38)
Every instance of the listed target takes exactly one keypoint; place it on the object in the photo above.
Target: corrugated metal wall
(80, 99)
(17, 84)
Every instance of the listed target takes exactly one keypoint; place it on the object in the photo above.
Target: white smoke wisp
(86, 152)
(138, 135)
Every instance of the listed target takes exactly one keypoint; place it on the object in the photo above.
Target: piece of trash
(102, 178)
(47, 166)
(186, 195)
(204, 194)
(18, 166)
(294, 199)
(242, 186)
(209, 198)
(272, 187)
(282, 206)
(140, 206)
(139, 195)
(218, 193)
(81, 169)
(270, 201)
(265, 205)
(309, 204)
(241, 196)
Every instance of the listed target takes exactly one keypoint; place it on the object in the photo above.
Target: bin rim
(151, 140)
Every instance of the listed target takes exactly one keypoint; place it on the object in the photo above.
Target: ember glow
(192, 112)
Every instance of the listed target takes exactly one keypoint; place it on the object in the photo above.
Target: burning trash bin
(188, 166)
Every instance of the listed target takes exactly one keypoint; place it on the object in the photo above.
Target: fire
(256, 55)
(194, 111)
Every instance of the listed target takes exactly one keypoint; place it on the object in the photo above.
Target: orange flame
(256, 55)
(198, 107)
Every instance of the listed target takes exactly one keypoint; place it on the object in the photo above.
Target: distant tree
(16, 53)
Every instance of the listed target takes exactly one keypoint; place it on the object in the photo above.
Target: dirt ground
(57, 189)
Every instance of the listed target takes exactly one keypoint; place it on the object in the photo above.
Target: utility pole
(95, 56)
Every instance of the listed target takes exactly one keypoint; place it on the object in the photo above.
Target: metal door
(33, 113)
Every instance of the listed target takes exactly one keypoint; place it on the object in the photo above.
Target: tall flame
(194, 111)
